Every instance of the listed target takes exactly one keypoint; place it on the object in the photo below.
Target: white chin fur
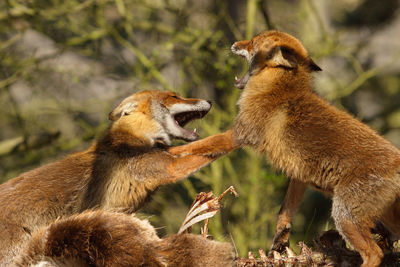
(161, 137)
(172, 128)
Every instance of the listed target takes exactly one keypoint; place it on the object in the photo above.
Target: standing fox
(315, 144)
(118, 172)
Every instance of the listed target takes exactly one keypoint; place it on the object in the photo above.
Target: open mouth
(183, 118)
(241, 82)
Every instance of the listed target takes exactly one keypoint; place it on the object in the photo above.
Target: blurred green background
(65, 64)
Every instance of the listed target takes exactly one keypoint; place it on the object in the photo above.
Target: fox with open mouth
(117, 172)
(315, 144)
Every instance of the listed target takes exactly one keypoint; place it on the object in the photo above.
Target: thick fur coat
(118, 172)
(315, 143)
(100, 238)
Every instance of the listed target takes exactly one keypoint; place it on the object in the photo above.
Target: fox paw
(278, 247)
(280, 240)
(178, 151)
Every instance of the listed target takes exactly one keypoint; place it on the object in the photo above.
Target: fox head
(158, 116)
(272, 49)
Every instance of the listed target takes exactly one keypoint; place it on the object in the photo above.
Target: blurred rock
(394, 137)
(21, 92)
(368, 104)
(384, 48)
(172, 73)
(62, 85)
(36, 44)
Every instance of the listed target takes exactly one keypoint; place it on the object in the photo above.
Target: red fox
(118, 172)
(101, 238)
(315, 143)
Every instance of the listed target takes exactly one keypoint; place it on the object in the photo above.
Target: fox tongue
(238, 81)
(189, 134)
(241, 83)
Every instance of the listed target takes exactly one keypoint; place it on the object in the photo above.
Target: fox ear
(122, 110)
(283, 58)
(276, 57)
(313, 66)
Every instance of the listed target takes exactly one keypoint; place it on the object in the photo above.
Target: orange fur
(100, 238)
(315, 143)
(118, 172)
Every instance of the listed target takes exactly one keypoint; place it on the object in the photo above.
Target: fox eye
(174, 96)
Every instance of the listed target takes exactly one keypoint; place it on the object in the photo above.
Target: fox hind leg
(358, 235)
(391, 218)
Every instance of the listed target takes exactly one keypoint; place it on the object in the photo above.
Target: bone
(204, 207)
(251, 255)
(263, 256)
(290, 253)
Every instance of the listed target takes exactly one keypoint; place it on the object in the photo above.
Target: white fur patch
(123, 109)
(128, 108)
(199, 106)
(43, 264)
(46, 263)
(172, 128)
(160, 136)
(49, 262)
(168, 126)
(241, 52)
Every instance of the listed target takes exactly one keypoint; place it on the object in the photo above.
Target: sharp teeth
(236, 78)
(195, 130)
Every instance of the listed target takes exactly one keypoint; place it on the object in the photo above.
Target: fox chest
(268, 135)
(276, 145)
(284, 155)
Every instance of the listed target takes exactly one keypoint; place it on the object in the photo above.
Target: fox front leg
(182, 167)
(187, 159)
(213, 146)
(289, 207)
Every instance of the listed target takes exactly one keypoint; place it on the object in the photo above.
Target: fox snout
(241, 48)
(181, 114)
